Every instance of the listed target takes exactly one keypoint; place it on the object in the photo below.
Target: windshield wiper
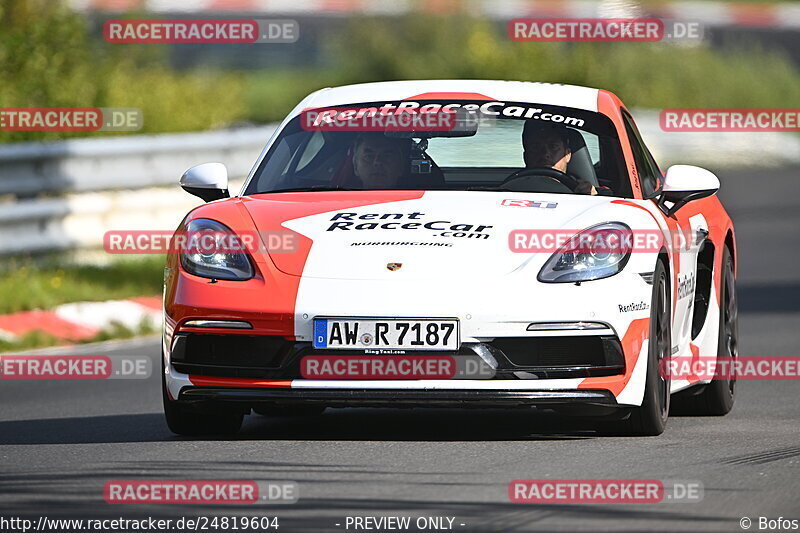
(313, 188)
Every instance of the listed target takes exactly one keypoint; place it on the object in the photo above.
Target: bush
(49, 60)
(653, 75)
(272, 94)
(173, 102)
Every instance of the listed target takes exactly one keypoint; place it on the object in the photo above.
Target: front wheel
(650, 418)
(183, 420)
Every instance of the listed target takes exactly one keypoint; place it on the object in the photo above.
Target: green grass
(25, 285)
(40, 339)
(29, 341)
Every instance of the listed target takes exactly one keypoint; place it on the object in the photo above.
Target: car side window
(646, 167)
(659, 176)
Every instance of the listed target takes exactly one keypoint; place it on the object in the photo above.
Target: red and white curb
(83, 320)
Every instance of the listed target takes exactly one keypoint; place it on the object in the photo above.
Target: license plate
(386, 333)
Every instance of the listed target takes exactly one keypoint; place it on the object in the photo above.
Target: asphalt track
(60, 441)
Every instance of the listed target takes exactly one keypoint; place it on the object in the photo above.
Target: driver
(548, 146)
(380, 162)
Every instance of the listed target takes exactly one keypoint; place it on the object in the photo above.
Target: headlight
(213, 251)
(594, 253)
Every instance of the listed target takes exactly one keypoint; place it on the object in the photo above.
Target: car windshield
(445, 145)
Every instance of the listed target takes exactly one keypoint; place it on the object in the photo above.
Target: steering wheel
(563, 178)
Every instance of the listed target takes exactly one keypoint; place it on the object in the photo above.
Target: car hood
(412, 234)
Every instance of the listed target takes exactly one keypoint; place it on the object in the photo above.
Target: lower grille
(244, 356)
(261, 356)
(582, 355)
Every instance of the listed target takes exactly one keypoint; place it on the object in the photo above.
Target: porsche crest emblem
(394, 266)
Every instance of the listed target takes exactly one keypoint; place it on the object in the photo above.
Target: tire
(650, 419)
(289, 410)
(717, 398)
(182, 420)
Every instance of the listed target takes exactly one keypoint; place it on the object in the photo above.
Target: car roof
(511, 91)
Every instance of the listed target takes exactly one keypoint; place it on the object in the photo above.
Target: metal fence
(65, 195)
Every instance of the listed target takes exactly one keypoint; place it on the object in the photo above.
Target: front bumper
(366, 397)
(248, 376)
(491, 318)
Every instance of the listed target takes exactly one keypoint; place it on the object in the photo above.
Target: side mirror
(208, 181)
(684, 183)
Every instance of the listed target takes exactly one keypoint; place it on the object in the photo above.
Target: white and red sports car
(533, 233)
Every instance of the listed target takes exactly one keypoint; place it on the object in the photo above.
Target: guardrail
(66, 195)
(135, 162)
